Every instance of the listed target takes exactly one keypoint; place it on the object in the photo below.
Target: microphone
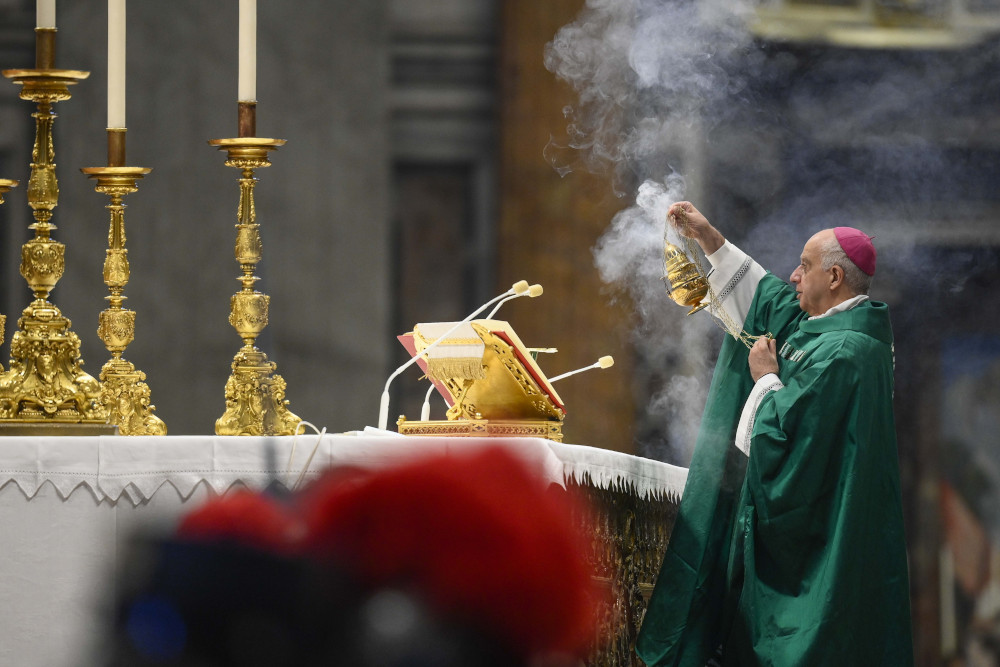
(533, 291)
(520, 288)
(603, 362)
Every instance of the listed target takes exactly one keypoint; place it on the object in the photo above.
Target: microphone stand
(519, 288)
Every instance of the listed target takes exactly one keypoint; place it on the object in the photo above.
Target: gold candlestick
(255, 395)
(5, 185)
(124, 392)
(45, 383)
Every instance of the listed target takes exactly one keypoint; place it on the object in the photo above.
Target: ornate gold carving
(42, 265)
(255, 399)
(45, 382)
(124, 392)
(255, 394)
(491, 395)
(476, 428)
(248, 314)
(116, 328)
(628, 533)
(126, 397)
(116, 268)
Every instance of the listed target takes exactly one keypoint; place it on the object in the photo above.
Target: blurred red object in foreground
(477, 535)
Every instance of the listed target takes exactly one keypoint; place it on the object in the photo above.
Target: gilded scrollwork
(248, 313)
(628, 535)
(42, 265)
(43, 187)
(124, 394)
(255, 399)
(126, 397)
(116, 328)
(476, 427)
(249, 248)
(116, 268)
(254, 393)
(45, 380)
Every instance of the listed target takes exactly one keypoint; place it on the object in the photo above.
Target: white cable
(305, 469)
(425, 409)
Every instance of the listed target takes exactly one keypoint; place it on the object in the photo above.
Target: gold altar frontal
(478, 428)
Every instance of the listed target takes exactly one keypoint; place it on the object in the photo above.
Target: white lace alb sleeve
(734, 278)
(767, 383)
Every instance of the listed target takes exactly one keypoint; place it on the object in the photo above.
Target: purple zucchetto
(858, 247)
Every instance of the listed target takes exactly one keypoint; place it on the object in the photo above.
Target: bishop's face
(812, 283)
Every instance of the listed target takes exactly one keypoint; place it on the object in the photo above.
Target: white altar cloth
(68, 506)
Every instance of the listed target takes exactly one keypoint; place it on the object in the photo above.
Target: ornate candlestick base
(255, 395)
(45, 382)
(124, 392)
(255, 398)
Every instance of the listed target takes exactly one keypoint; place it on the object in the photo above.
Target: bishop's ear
(836, 276)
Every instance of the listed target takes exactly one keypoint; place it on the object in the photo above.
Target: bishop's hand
(691, 223)
(763, 358)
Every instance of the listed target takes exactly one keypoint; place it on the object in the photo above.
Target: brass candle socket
(124, 392)
(45, 382)
(45, 48)
(255, 394)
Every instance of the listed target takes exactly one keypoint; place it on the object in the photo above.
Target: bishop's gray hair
(833, 255)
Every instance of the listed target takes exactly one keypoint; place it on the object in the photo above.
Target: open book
(484, 371)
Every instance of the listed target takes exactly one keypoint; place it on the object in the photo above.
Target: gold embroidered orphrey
(255, 394)
(688, 285)
(45, 382)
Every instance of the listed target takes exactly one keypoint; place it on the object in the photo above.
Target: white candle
(247, 88)
(45, 14)
(116, 63)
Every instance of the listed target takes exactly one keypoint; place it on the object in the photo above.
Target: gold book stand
(489, 380)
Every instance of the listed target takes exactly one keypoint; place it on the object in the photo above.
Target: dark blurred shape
(459, 560)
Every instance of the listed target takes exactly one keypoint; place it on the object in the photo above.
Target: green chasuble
(794, 556)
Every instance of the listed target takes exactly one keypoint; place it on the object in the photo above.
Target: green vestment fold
(794, 556)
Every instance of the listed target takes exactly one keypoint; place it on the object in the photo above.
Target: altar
(69, 506)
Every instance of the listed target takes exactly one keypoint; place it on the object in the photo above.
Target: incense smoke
(646, 73)
(644, 70)
(677, 97)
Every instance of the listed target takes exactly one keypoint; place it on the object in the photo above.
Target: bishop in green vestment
(788, 549)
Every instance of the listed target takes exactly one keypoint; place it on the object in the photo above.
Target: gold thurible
(5, 185)
(685, 284)
(45, 382)
(255, 394)
(124, 392)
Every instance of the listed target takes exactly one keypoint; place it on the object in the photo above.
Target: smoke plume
(773, 141)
